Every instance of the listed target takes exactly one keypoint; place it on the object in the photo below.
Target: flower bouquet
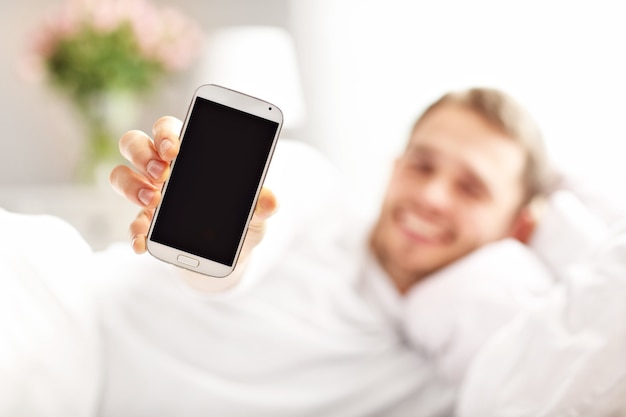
(97, 50)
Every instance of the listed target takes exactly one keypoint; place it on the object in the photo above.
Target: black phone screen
(214, 181)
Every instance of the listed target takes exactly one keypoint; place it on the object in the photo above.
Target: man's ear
(526, 221)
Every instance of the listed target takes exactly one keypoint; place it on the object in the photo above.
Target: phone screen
(214, 181)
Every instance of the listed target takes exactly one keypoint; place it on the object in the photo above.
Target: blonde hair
(503, 112)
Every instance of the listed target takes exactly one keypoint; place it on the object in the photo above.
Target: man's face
(457, 187)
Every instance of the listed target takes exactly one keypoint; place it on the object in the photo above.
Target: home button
(187, 260)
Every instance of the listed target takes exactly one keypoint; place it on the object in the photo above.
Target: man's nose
(436, 194)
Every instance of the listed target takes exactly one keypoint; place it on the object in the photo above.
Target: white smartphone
(226, 145)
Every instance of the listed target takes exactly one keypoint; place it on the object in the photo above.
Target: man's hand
(151, 159)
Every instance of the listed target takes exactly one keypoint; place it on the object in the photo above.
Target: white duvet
(49, 359)
(543, 347)
(566, 356)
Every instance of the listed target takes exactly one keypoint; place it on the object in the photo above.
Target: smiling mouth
(420, 230)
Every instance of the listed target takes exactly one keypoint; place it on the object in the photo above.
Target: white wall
(371, 66)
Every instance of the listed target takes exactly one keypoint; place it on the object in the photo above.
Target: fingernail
(134, 245)
(165, 146)
(145, 195)
(268, 206)
(155, 169)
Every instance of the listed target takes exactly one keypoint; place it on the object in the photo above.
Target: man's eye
(469, 189)
(422, 167)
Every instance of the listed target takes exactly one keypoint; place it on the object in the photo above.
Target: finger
(139, 150)
(166, 133)
(266, 206)
(134, 187)
(139, 230)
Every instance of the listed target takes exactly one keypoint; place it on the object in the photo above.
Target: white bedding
(564, 357)
(49, 361)
(49, 355)
(450, 315)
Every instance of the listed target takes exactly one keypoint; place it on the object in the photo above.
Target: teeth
(420, 227)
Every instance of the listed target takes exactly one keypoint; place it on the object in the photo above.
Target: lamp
(259, 61)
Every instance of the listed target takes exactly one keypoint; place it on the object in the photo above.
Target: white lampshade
(259, 61)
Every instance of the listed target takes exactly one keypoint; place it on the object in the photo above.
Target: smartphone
(226, 145)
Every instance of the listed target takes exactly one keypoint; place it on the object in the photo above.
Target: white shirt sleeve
(304, 182)
(564, 358)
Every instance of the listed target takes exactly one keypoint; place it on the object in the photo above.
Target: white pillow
(566, 232)
(565, 357)
(456, 310)
(450, 315)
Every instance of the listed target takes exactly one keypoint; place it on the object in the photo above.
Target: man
(320, 334)
(473, 165)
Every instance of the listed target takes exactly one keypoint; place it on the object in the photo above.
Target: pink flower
(180, 40)
(162, 34)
